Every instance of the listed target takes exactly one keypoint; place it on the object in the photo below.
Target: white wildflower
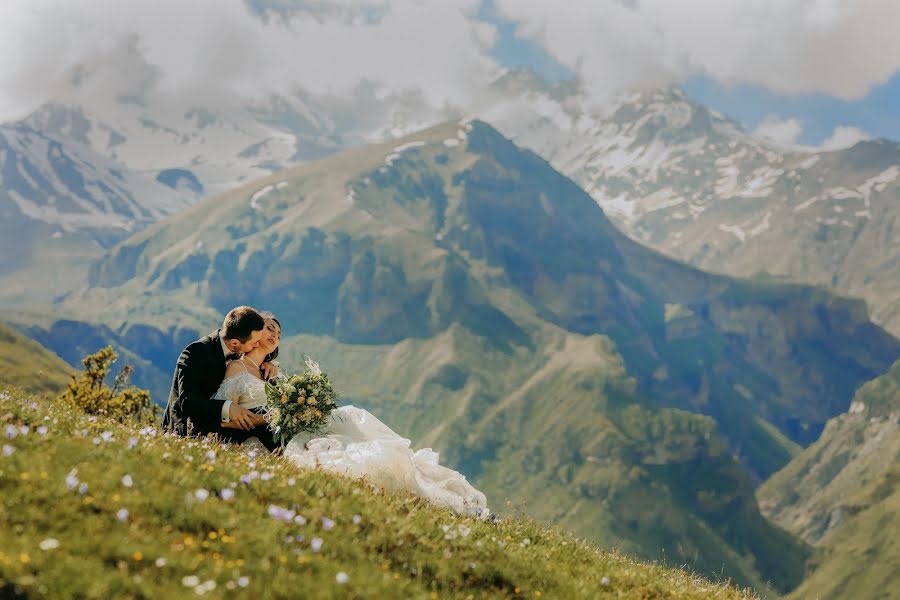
(49, 544)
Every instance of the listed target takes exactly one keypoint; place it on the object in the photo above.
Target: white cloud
(844, 137)
(838, 47)
(208, 51)
(784, 132)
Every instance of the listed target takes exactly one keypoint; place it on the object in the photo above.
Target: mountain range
(484, 304)
(61, 206)
(693, 184)
(671, 173)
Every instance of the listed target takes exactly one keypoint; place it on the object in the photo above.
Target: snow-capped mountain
(216, 149)
(61, 204)
(691, 183)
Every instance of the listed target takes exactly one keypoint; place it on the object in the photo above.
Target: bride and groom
(219, 388)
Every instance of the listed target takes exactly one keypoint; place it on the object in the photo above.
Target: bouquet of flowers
(299, 402)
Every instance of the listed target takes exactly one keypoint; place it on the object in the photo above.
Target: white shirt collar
(225, 349)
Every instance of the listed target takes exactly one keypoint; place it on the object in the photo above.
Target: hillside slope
(842, 494)
(26, 364)
(136, 514)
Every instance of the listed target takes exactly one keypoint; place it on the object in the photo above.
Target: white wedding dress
(357, 444)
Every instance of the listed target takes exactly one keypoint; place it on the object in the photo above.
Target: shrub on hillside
(89, 392)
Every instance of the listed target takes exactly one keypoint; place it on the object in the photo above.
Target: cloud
(844, 137)
(837, 47)
(784, 132)
(204, 52)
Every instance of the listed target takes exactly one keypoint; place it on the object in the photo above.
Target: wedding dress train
(357, 444)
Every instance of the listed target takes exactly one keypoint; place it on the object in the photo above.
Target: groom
(200, 371)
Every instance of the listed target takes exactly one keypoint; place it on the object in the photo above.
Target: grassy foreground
(93, 509)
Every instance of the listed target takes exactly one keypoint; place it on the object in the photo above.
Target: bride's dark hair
(274, 354)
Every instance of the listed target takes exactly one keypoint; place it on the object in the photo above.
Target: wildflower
(201, 495)
(211, 455)
(327, 523)
(8, 450)
(132, 442)
(252, 454)
(122, 515)
(300, 520)
(106, 436)
(291, 481)
(254, 474)
(42, 431)
(282, 514)
(245, 479)
(23, 429)
(96, 441)
(226, 494)
(357, 519)
(190, 581)
(315, 544)
(266, 476)
(127, 481)
(160, 562)
(243, 581)
(342, 578)
(71, 480)
(11, 432)
(204, 587)
(49, 544)
(82, 489)
(604, 581)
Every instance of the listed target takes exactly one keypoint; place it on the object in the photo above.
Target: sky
(801, 72)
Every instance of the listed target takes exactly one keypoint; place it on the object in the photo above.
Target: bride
(355, 443)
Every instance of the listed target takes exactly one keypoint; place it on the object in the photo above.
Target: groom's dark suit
(198, 374)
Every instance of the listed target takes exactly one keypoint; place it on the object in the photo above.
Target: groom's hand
(241, 418)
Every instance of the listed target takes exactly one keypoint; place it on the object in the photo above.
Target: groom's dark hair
(241, 322)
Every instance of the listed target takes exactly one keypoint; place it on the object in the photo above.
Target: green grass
(25, 363)
(171, 542)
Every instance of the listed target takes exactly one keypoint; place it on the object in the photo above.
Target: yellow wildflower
(284, 398)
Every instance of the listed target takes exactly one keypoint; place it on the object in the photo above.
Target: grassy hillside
(842, 494)
(92, 509)
(25, 363)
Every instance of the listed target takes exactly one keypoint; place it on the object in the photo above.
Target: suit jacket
(198, 374)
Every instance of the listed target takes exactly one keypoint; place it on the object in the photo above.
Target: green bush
(89, 392)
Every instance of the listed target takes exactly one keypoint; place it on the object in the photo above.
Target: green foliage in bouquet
(300, 403)
(88, 392)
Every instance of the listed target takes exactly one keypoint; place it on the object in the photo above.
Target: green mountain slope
(170, 530)
(26, 364)
(483, 304)
(842, 494)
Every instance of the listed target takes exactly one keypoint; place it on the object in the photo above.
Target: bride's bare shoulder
(233, 368)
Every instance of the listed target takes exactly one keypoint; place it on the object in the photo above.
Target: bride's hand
(268, 370)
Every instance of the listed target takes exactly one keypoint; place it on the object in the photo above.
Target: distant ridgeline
(482, 303)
